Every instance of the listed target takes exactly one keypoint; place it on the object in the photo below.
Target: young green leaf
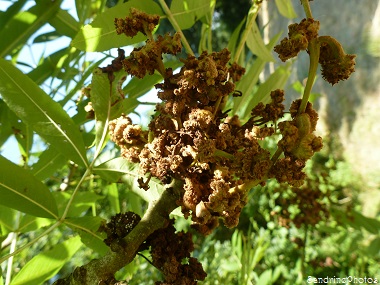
(37, 109)
(112, 170)
(20, 190)
(107, 99)
(101, 35)
(45, 265)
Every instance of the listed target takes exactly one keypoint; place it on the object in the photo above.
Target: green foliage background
(64, 186)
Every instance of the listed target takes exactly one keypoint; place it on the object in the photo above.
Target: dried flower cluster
(118, 227)
(299, 37)
(192, 140)
(170, 253)
(336, 65)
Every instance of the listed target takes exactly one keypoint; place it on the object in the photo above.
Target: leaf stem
(252, 14)
(314, 50)
(306, 7)
(314, 58)
(176, 26)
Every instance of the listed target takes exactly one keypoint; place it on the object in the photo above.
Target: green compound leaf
(101, 35)
(45, 265)
(46, 117)
(20, 190)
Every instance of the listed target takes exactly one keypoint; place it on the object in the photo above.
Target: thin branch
(103, 269)
(176, 26)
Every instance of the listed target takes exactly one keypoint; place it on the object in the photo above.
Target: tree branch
(104, 268)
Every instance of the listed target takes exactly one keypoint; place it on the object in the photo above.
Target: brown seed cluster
(171, 255)
(192, 140)
(299, 37)
(118, 227)
(336, 65)
(136, 22)
(299, 143)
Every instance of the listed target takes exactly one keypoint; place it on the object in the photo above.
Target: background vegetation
(280, 238)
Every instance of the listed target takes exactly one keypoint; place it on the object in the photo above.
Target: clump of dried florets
(130, 137)
(137, 21)
(299, 143)
(192, 140)
(299, 37)
(170, 253)
(335, 63)
(148, 58)
(118, 227)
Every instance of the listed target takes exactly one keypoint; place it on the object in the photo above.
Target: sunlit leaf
(108, 100)
(11, 12)
(121, 170)
(81, 203)
(24, 24)
(233, 41)
(65, 24)
(37, 109)
(47, 67)
(20, 190)
(8, 219)
(46, 264)
(187, 12)
(30, 223)
(113, 198)
(87, 227)
(101, 35)
(48, 162)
